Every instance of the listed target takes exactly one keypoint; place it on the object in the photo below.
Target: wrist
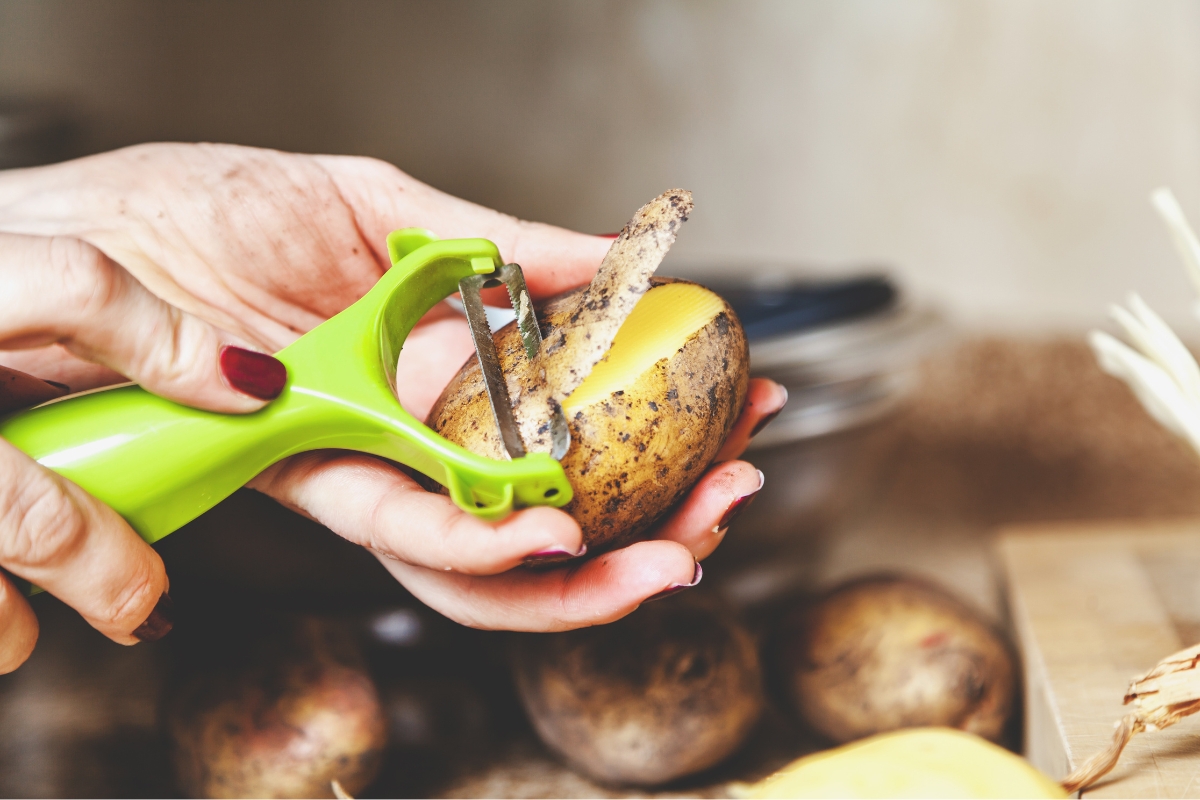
(48, 200)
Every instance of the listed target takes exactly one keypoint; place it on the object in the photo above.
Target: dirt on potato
(888, 652)
(670, 690)
(635, 452)
(285, 719)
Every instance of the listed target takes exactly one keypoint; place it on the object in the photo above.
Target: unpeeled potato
(670, 690)
(888, 652)
(646, 422)
(294, 712)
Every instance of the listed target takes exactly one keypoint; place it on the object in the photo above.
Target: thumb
(383, 198)
(66, 291)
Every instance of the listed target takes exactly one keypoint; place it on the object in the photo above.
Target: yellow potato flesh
(659, 325)
(919, 762)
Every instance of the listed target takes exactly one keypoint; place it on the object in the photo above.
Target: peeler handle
(160, 464)
(156, 463)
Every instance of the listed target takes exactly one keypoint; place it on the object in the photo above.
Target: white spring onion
(1159, 369)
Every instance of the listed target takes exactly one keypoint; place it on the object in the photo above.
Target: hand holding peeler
(160, 464)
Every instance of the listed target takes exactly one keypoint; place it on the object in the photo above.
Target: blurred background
(998, 154)
(985, 164)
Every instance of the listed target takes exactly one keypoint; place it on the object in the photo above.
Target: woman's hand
(258, 247)
(64, 291)
(463, 567)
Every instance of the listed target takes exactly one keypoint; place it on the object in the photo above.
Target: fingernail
(553, 555)
(159, 623)
(609, 235)
(739, 505)
(764, 422)
(678, 587)
(256, 374)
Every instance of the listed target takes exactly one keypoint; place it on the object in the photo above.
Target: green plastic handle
(161, 465)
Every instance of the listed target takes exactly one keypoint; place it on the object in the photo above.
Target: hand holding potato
(151, 262)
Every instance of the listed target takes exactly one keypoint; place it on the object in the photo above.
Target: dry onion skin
(887, 652)
(1161, 697)
(649, 413)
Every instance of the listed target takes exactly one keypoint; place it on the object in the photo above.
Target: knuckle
(377, 165)
(133, 603)
(174, 350)
(383, 537)
(40, 524)
(459, 533)
(90, 282)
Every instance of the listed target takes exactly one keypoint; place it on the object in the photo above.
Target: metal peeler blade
(493, 377)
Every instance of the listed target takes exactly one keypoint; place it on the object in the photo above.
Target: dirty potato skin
(888, 652)
(666, 692)
(296, 713)
(635, 454)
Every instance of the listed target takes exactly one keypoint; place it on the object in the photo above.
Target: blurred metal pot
(847, 351)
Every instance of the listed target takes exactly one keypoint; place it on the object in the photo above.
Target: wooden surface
(1094, 605)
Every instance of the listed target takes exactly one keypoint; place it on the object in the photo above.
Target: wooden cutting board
(1094, 605)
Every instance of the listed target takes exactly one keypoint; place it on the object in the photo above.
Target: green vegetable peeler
(160, 464)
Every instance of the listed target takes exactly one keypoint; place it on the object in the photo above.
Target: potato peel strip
(623, 277)
(569, 353)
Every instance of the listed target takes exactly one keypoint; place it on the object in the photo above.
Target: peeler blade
(489, 361)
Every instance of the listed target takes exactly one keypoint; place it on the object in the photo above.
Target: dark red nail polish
(678, 587)
(553, 555)
(737, 507)
(159, 623)
(609, 235)
(256, 374)
(764, 422)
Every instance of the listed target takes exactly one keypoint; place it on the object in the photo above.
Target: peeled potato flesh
(645, 423)
(923, 762)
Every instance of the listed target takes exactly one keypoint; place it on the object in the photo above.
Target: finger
(699, 523)
(62, 290)
(58, 537)
(384, 198)
(393, 516)
(433, 354)
(764, 400)
(21, 390)
(18, 627)
(55, 363)
(597, 591)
